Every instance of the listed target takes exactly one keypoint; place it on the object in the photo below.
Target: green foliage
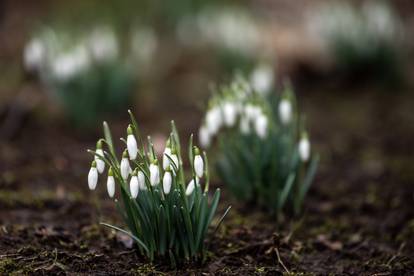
(162, 224)
(262, 169)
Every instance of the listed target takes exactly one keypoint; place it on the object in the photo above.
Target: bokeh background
(65, 66)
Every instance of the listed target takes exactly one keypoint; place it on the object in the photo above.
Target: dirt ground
(358, 218)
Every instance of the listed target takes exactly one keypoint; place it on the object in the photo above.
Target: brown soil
(358, 218)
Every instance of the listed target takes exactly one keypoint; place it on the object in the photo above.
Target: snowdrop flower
(244, 125)
(110, 183)
(262, 79)
(304, 148)
(252, 111)
(93, 176)
(100, 164)
(204, 137)
(34, 54)
(191, 186)
(230, 113)
(166, 182)
(134, 185)
(103, 44)
(141, 181)
(260, 125)
(213, 120)
(174, 158)
(131, 144)
(198, 163)
(154, 173)
(125, 167)
(165, 159)
(285, 111)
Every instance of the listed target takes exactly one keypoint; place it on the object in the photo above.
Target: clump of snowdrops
(264, 152)
(84, 70)
(165, 215)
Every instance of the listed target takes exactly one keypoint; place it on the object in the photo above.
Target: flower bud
(191, 186)
(110, 183)
(134, 185)
(166, 182)
(100, 164)
(125, 167)
(285, 111)
(93, 176)
(304, 148)
(165, 159)
(213, 120)
(154, 173)
(131, 144)
(198, 163)
(262, 79)
(260, 125)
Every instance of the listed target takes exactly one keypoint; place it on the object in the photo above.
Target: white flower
(204, 137)
(134, 186)
(131, 144)
(252, 111)
(191, 186)
(34, 54)
(285, 111)
(304, 148)
(244, 125)
(165, 159)
(261, 126)
(198, 165)
(141, 181)
(174, 158)
(230, 113)
(103, 44)
(213, 120)
(110, 185)
(262, 79)
(166, 182)
(93, 176)
(125, 167)
(100, 164)
(154, 174)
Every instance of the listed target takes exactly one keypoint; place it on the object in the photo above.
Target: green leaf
(108, 138)
(127, 233)
(286, 190)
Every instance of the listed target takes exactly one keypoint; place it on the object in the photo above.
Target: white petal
(92, 178)
(125, 168)
(285, 111)
(154, 175)
(304, 149)
(132, 147)
(261, 126)
(141, 181)
(230, 112)
(166, 182)
(165, 159)
(134, 186)
(110, 185)
(100, 164)
(262, 79)
(190, 188)
(204, 137)
(199, 166)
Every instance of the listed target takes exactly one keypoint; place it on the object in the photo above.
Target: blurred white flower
(262, 79)
(214, 120)
(261, 123)
(285, 111)
(103, 44)
(204, 137)
(230, 113)
(141, 181)
(34, 54)
(304, 148)
(67, 65)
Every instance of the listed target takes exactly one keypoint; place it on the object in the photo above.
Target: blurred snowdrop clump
(360, 38)
(86, 71)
